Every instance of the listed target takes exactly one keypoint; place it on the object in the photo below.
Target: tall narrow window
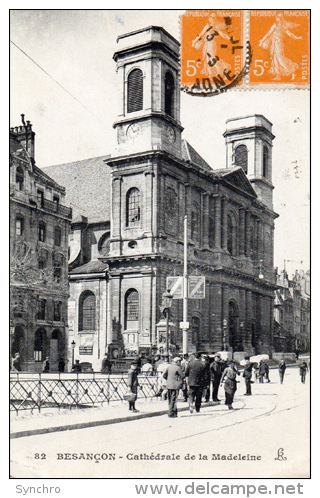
(133, 207)
(135, 91)
(42, 232)
(41, 312)
(241, 157)
(57, 236)
(19, 226)
(87, 311)
(230, 235)
(265, 163)
(169, 94)
(56, 201)
(132, 309)
(57, 311)
(19, 177)
(40, 196)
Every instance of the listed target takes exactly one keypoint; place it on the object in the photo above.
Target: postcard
(160, 244)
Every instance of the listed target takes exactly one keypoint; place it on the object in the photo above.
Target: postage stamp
(280, 45)
(212, 50)
(224, 49)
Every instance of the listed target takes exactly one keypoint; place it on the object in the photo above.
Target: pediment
(237, 180)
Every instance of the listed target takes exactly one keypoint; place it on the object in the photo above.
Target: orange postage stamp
(213, 52)
(280, 41)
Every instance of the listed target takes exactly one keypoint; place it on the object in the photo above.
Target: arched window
(19, 177)
(265, 162)
(104, 244)
(135, 91)
(241, 157)
(132, 308)
(195, 330)
(195, 222)
(133, 208)
(19, 226)
(42, 232)
(87, 311)
(39, 344)
(169, 94)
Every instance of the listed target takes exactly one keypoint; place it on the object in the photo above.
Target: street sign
(184, 325)
(175, 286)
(196, 287)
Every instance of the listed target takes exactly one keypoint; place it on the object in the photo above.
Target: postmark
(280, 41)
(213, 51)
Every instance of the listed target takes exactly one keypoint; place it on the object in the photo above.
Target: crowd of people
(199, 375)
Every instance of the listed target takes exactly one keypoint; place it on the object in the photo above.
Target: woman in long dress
(274, 42)
(230, 383)
(207, 42)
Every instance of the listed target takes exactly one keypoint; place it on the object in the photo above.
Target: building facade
(39, 231)
(155, 180)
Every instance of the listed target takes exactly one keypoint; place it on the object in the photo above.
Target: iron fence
(68, 390)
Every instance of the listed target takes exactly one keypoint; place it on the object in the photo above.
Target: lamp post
(73, 345)
(166, 305)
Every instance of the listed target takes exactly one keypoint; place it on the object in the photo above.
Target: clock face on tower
(170, 134)
(133, 130)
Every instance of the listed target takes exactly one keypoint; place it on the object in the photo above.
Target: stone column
(205, 231)
(224, 227)
(217, 227)
(241, 231)
(247, 232)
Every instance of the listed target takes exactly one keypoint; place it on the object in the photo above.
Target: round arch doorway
(56, 349)
(18, 345)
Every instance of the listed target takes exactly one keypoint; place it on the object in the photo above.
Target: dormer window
(135, 91)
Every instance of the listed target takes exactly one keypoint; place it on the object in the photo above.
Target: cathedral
(127, 232)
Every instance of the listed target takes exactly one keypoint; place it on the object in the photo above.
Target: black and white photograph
(160, 245)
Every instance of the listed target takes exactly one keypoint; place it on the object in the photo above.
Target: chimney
(25, 136)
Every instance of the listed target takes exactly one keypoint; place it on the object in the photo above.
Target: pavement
(54, 420)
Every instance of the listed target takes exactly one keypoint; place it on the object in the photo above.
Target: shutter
(135, 91)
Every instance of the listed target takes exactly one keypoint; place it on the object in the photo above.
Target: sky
(69, 91)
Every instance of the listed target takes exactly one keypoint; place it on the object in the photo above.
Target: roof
(91, 267)
(191, 155)
(87, 184)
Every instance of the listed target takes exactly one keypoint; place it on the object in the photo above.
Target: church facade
(118, 273)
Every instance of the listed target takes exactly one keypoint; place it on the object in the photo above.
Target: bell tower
(249, 145)
(148, 68)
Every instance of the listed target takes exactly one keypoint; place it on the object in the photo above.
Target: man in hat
(161, 367)
(216, 369)
(174, 380)
(195, 373)
(184, 364)
(133, 384)
(247, 374)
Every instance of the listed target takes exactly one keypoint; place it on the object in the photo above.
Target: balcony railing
(55, 207)
(67, 390)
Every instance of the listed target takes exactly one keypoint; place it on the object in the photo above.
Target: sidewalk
(53, 420)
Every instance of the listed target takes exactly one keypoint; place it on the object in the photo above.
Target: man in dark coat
(247, 374)
(206, 377)
(282, 368)
(195, 374)
(174, 377)
(133, 384)
(106, 365)
(303, 370)
(46, 365)
(216, 369)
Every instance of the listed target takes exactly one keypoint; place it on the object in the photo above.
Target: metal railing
(37, 391)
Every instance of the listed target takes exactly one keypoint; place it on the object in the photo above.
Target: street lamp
(260, 270)
(166, 305)
(73, 345)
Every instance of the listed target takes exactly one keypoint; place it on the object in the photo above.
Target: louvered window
(169, 94)
(241, 157)
(135, 90)
(265, 162)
